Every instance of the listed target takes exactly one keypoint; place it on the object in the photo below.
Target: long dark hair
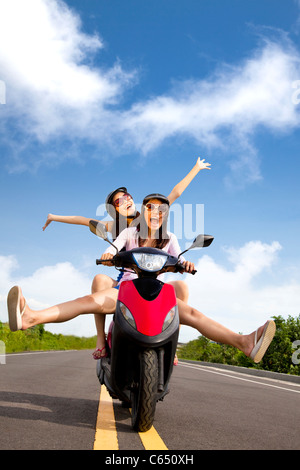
(161, 236)
(120, 222)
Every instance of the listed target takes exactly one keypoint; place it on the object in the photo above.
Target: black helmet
(159, 196)
(109, 200)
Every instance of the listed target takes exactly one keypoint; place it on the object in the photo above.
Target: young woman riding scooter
(154, 215)
(121, 207)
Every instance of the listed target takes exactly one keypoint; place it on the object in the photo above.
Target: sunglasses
(162, 208)
(120, 201)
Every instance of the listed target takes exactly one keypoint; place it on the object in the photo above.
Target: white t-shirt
(129, 239)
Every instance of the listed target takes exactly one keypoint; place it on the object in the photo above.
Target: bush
(278, 358)
(38, 339)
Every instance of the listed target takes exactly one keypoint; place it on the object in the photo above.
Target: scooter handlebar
(179, 267)
(103, 261)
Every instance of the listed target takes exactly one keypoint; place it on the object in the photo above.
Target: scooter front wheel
(144, 397)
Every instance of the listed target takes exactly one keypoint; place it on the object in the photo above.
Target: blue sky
(109, 93)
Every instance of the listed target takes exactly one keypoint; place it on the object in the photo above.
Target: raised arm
(183, 184)
(73, 219)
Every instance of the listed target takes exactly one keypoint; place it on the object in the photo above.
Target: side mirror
(201, 241)
(99, 229)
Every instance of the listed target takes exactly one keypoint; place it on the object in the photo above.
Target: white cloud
(242, 298)
(225, 110)
(55, 91)
(48, 286)
(46, 63)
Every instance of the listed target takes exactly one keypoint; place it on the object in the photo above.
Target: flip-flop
(261, 346)
(95, 354)
(13, 307)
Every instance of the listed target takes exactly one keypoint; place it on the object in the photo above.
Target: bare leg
(98, 303)
(101, 282)
(182, 293)
(215, 331)
(181, 290)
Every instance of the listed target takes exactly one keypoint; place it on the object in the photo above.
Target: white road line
(207, 369)
(39, 352)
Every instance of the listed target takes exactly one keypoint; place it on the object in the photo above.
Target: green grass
(38, 339)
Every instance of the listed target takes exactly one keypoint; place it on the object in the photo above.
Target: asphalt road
(50, 400)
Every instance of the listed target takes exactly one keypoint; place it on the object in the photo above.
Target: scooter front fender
(149, 302)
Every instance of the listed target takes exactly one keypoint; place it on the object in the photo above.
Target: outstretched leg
(98, 303)
(182, 293)
(101, 282)
(215, 331)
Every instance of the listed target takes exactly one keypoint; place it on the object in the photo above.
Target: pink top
(129, 238)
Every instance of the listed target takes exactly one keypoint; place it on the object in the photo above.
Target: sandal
(97, 354)
(13, 307)
(261, 346)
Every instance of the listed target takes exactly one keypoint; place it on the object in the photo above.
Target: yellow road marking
(106, 434)
(151, 440)
(106, 437)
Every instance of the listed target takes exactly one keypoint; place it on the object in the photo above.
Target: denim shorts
(119, 279)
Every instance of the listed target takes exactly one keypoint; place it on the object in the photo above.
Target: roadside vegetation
(282, 356)
(38, 339)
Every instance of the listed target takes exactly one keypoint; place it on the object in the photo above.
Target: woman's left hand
(188, 266)
(202, 164)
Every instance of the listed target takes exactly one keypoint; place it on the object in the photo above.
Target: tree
(280, 356)
(283, 355)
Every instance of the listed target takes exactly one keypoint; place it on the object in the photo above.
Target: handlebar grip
(104, 261)
(100, 261)
(180, 269)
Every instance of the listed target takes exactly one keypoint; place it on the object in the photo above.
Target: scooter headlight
(150, 262)
(127, 315)
(169, 318)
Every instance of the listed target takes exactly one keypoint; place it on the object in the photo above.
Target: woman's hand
(50, 219)
(189, 267)
(202, 165)
(107, 256)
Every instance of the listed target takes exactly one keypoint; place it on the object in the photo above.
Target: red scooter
(143, 335)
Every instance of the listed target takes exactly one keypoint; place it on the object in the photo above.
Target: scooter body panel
(149, 315)
(146, 322)
(121, 370)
